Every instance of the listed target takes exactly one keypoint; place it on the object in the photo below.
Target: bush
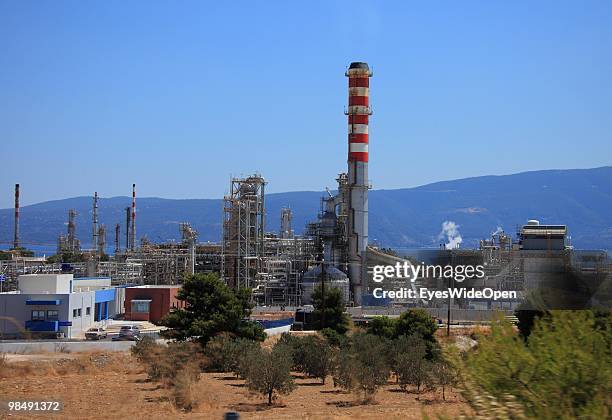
(412, 368)
(419, 322)
(412, 322)
(225, 353)
(334, 338)
(562, 371)
(526, 321)
(344, 370)
(401, 346)
(248, 358)
(318, 358)
(183, 393)
(162, 363)
(176, 366)
(382, 326)
(362, 368)
(272, 372)
(3, 365)
(297, 346)
(444, 375)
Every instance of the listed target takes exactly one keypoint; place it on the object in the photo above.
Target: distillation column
(358, 118)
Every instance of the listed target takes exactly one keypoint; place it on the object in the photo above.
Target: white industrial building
(57, 305)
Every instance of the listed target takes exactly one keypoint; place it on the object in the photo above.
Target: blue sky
(178, 96)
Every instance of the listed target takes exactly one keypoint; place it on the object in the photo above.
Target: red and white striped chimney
(358, 111)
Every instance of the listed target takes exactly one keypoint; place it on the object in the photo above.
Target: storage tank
(333, 278)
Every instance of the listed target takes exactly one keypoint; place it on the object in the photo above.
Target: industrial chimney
(133, 232)
(16, 237)
(358, 112)
(95, 232)
(117, 238)
(128, 222)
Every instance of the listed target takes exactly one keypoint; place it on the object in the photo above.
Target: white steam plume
(450, 231)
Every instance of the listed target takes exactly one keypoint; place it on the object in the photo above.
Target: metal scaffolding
(243, 230)
(69, 243)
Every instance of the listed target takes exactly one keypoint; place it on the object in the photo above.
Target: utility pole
(323, 275)
(451, 281)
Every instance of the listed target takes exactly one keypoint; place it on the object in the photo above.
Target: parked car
(129, 333)
(95, 333)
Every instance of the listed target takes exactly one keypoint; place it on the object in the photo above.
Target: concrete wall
(277, 330)
(57, 346)
(45, 283)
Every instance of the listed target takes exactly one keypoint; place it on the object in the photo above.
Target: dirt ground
(105, 385)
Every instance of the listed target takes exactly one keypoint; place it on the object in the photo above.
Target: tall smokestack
(95, 223)
(117, 236)
(102, 239)
(128, 221)
(133, 234)
(16, 237)
(358, 119)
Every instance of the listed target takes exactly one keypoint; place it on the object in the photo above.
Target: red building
(150, 303)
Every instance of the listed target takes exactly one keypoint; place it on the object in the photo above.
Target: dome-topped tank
(333, 278)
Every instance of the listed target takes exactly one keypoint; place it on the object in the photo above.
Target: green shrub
(224, 352)
(297, 347)
(334, 338)
(562, 371)
(163, 362)
(362, 368)
(444, 375)
(382, 326)
(318, 358)
(344, 370)
(271, 373)
(402, 345)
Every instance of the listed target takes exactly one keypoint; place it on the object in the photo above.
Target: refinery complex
(283, 268)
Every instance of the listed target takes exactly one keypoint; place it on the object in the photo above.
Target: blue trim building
(57, 304)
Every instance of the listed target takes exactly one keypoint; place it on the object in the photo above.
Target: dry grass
(103, 385)
(77, 364)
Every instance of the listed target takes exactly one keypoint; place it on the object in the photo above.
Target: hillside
(410, 217)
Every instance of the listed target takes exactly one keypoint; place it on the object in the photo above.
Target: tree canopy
(329, 309)
(211, 307)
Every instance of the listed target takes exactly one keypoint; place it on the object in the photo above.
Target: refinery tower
(358, 112)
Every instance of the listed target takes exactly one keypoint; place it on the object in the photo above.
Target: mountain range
(399, 218)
